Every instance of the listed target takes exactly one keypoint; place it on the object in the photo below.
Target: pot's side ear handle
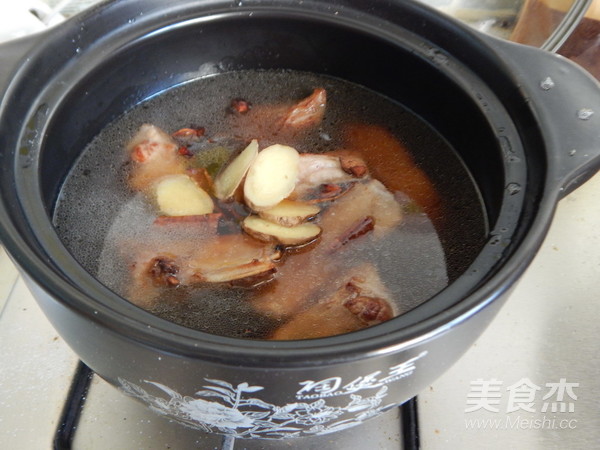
(566, 100)
(12, 55)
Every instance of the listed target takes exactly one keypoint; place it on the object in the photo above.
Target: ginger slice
(179, 195)
(272, 177)
(229, 179)
(309, 111)
(267, 231)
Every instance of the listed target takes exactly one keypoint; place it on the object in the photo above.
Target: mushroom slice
(154, 154)
(229, 179)
(289, 213)
(272, 177)
(267, 231)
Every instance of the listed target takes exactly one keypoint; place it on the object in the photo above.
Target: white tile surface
(36, 367)
(548, 330)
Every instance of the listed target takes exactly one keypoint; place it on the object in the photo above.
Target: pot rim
(390, 337)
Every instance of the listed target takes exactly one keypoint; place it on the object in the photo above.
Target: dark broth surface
(96, 211)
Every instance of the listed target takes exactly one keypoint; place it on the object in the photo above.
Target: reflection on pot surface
(496, 17)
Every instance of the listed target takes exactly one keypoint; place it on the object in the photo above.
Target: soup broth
(399, 223)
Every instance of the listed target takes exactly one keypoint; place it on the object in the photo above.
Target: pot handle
(12, 54)
(567, 105)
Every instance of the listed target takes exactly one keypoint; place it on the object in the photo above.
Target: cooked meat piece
(365, 200)
(307, 112)
(368, 203)
(360, 301)
(172, 258)
(315, 170)
(277, 123)
(154, 154)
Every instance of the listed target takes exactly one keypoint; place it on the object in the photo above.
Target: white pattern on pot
(237, 414)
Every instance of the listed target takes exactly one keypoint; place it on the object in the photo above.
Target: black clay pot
(521, 119)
